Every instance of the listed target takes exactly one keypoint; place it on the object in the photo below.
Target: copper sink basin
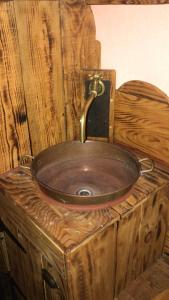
(87, 173)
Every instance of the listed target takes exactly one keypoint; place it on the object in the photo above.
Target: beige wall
(135, 42)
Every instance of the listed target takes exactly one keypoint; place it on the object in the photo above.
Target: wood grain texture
(84, 251)
(58, 293)
(14, 135)
(79, 51)
(91, 271)
(40, 50)
(153, 284)
(142, 119)
(142, 235)
(136, 2)
(66, 228)
(4, 263)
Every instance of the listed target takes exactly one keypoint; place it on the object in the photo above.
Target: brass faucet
(96, 88)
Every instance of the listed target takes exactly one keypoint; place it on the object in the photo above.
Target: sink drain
(84, 192)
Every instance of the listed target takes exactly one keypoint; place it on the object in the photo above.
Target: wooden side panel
(4, 264)
(25, 262)
(91, 269)
(79, 50)
(32, 269)
(40, 50)
(14, 136)
(59, 291)
(140, 238)
(142, 119)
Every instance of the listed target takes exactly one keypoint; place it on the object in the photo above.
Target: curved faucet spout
(96, 88)
(90, 99)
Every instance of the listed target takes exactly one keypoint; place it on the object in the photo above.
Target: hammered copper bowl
(87, 173)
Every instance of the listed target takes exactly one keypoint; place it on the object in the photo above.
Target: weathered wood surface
(80, 50)
(142, 119)
(59, 293)
(67, 228)
(13, 118)
(38, 24)
(4, 263)
(44, 45)
(91, 271)
(153, 284)
(142, 234)
(136, 2)
(127, 237)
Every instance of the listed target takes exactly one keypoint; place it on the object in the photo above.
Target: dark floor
(149, 284)
(8, 290)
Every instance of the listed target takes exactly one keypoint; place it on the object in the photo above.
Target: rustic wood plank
(91, 269)
(38, 25)
(80, 51)
(141, 122)
(141, 119)
(14, 134)
(31, 262)
(4, 263)
(58, 293)
(142, 234)
(67, 228)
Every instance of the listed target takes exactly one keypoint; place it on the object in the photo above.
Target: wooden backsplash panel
(13, 118)
(142, 119)
(38, 24)
(44, 45)
(80, 50)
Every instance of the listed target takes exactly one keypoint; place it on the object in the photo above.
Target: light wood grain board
(40, 51)
(14, 135)
(142, 119)
(80, 50)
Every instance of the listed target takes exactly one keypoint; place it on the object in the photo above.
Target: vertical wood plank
(14, 135)
(91, 267)
(31, 262)
(80, 51)
(40, 49)
(140, 238)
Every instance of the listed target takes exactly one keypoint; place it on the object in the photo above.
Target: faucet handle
(95, 76)
(96, 85)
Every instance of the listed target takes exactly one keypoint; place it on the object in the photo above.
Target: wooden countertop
(69, 228)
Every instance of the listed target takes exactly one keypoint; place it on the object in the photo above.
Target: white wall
(135, 42)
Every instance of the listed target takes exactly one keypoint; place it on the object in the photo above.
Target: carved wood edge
(143, 88)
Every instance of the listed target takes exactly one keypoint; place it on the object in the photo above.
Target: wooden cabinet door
(25, 263)
(53, 284)
(4, 264)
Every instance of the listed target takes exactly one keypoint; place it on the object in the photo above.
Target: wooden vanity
(47, 48)
(56, 253)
